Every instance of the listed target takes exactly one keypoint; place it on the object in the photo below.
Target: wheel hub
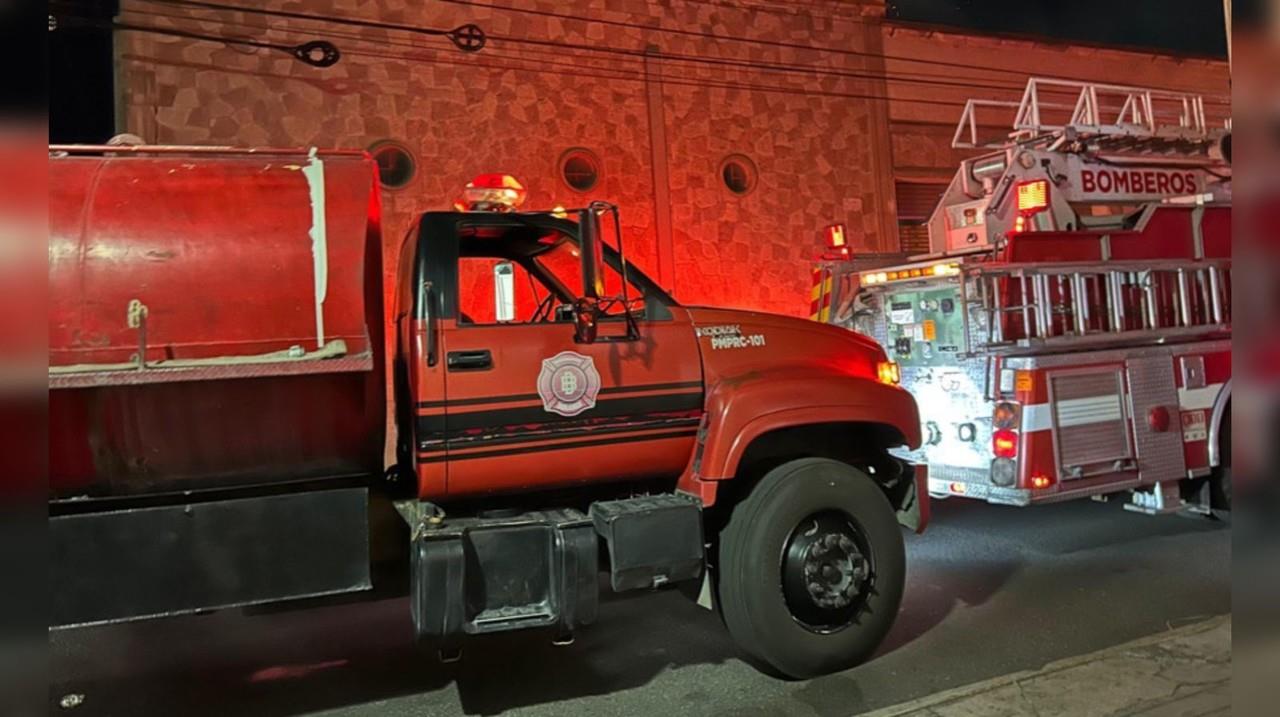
(826, 574)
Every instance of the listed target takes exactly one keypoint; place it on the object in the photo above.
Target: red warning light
(1033, 196)
(835, 237)
(492, 193)
(1004, 443)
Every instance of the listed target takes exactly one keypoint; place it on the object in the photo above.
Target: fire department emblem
(568, 383)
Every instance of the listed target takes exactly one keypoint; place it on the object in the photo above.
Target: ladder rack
(1056, 305)
(1073, 108)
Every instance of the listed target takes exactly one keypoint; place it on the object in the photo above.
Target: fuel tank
(215, 319)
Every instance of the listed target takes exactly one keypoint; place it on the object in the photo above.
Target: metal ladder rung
(1174, 297)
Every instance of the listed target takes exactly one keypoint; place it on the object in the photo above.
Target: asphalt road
(990, 591)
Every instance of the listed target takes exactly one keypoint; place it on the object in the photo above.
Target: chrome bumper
(980, 491)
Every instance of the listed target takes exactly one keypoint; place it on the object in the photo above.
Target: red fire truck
(1069, 333)
(218, 374)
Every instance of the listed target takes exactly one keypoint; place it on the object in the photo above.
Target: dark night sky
(1185, 26)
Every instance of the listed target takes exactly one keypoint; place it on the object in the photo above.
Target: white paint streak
(314, 172)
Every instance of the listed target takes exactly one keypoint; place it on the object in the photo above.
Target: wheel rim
(827, 571)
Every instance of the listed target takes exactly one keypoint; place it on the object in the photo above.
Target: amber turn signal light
(888, 373)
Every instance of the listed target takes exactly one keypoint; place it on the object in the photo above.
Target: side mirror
(585, 313)
(504, 292)
(587, 309)
(592, 257)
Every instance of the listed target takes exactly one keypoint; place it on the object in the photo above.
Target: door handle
(469, 360)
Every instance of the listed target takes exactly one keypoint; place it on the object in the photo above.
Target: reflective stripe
(1094, 409)
(1191, 399)
(1073, 412)
(1036, 418)
(824, 314)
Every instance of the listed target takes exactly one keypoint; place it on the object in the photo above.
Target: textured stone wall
(827, 145)
(516, 107)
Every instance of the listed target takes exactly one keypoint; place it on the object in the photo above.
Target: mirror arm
(622, 255)
(589, 246)
(587, 310)
(633, 329)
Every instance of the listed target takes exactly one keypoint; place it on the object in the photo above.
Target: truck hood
(734, 343)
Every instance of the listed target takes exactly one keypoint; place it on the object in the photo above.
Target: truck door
(526, 406)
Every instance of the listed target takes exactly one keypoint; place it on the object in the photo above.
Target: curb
(957, 694)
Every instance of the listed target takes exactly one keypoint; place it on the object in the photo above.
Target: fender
(1215, 423)
(743, 408)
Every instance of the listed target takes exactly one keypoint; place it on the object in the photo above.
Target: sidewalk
(1185, 672)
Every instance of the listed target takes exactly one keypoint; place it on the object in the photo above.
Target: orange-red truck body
(221, 369)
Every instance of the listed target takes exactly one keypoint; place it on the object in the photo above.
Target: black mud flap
(166, 560)
(482, 575)
(909, 497)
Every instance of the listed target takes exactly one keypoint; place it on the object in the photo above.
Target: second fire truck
(1069, 332)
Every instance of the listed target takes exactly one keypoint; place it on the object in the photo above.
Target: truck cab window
(545, 276)
(564, 263)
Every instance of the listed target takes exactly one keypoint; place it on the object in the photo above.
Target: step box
(652, 540)
(483, 575)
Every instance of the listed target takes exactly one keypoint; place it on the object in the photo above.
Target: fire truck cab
(542, 370)
(1069, 332)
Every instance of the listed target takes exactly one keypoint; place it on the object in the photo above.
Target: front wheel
(811, 568)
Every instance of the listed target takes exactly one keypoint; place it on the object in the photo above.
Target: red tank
(215, 319)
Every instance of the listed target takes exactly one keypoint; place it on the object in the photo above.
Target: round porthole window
(738, 173)
(396, 165)
(580, 169)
